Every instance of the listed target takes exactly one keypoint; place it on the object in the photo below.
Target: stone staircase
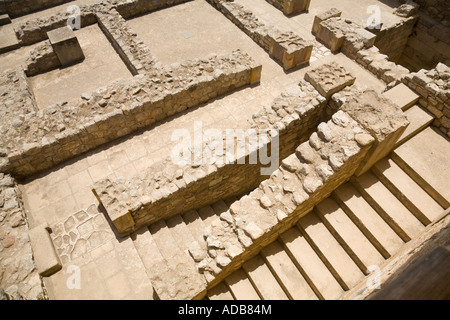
(331, 250)
(361, 227)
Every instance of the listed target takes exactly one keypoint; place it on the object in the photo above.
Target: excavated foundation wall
(427, 46)
(15, 8)
(32, 140)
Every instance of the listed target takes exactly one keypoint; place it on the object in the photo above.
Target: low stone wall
(433, 86)
(166, 189)
(357, 43)
(17, 8)
(135, 54)
(391, 40)
(19, 278)
(286, 47)
(33, 140)
(304, 179)
(42, 59)
(427, 46)
(437, 9)
(291, 6)
(35, 30)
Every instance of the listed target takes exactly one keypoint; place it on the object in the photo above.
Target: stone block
(331, 35)
(256, 75)
(4, 19)
(121, 219)
(402, 96)
(289, 49)
(66, 46)
(383, 119)
(332, 13)
(329, 79)
(367, 37)
(45, 257)
(295, 6)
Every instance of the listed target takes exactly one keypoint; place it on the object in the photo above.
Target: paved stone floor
(102, 65)
(112, 267)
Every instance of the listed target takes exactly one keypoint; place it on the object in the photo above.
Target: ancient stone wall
(427, 46)
(286, 47)
(291, 6)
(391, 40)
(135, 54)
(433, 86)
(19, 278)
(42, 59)
(35, 140)
(437, 9)
(357, 43)
(166, 188)
(17, 8)
(305, 178)
(34, 30)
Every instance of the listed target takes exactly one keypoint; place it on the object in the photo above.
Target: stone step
(220, 292)
(180, 232)
(164, 240)
(418, 119)
(402, 96)
(263, 279)
(220, 207)
(196, 226)
(379, 233)
(330, 251)
(348, 235)
(403, 222)
(171, 271)
(301, 253)
(147, 249)
(407, 191)
(287, 273)
(426, 159)
(241, 287)
(207, 214)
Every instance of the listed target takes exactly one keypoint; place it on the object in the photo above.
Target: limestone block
(402, 96)
(66, 46)
(295, 6)
(332, 13)
(290, 50)
(331, 35)
(45, 257)
(367, 37)
(256, 75)
(329, 79)
(382, 118)
(4, 19)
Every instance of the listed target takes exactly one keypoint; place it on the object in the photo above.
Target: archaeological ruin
(224, 149)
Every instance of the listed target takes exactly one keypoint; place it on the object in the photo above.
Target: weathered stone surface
(292, 114)
(291, 6)
(65, 45)
(286, 47)
(332, 13)
(329, 78)
(47, 261)
(262, 224)
(382, 118)
(88, 125)
(434, 90)
(18, 275)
